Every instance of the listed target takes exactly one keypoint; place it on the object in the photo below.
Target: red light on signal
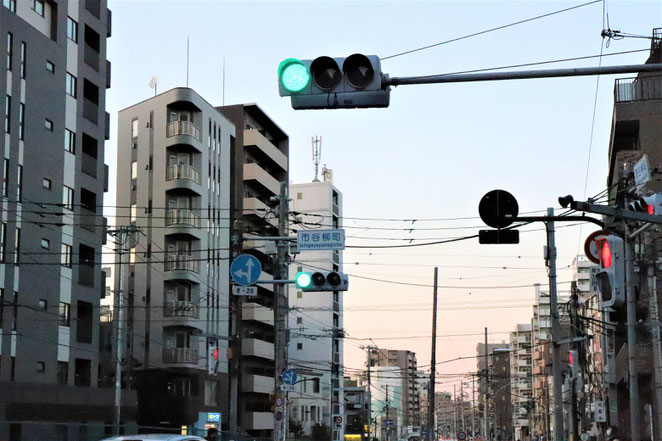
(651, 209)
(606, 254)
(570, 358)
(216, 354)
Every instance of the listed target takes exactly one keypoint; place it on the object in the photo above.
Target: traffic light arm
(616, 212)
(558, 219)
(521, 75)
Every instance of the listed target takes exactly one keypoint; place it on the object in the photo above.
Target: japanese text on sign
(321, 240)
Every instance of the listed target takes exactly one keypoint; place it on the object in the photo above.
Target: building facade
(522, 381)
(483, 369)
(54, 77)
(259, 163)
(173, 183)
(357, 409)
(316, 318)
(501, 403)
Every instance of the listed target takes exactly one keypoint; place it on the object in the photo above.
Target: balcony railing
(183, 171)
(181, 309)
(180, 355)
(183, 128)
(182, 262)
(638, 89)
(184, 217)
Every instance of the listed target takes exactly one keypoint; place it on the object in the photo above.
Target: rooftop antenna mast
(187, 59)
(317, 154)
(153, 83)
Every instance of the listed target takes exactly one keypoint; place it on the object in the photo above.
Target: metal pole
(473, 406)
(556, 330)
(657, 347)
(433, 360)
(119, 302)
(574, 424)
(521, 75)
(281, 310)
(633, 375)
(486, 412)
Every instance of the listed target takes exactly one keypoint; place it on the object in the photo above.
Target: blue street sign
(290, 377)
(245, 269)
(388, 422)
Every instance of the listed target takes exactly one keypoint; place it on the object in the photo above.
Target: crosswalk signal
(321, 281)
(648, 204)
(611, 275)
(333, 83)
(573, 362)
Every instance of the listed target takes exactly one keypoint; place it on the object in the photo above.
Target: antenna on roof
(187, 60)
(317, 154)
(152, 83)
(224, 81)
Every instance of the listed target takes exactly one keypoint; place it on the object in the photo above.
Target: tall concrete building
(173, 182)
(259, 162)
(357, 409)
(522, 383)
(501, 404)
(54, 75)
(482, 364)
(316, 318)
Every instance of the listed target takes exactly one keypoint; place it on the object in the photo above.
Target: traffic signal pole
(631, 302)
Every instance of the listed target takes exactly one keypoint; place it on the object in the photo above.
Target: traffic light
(573, 363)
(333, 83)
(212, 360)
(321, 281)
(611, 275)
(648, 204)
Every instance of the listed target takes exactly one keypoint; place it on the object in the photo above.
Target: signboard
(213, 417)
(321, 240)
(246, 291)
(245, 269)
(289, 377)
(388, 422)
(287, 388)
(600, 412)
(461, 436)
(641, 171)
(338, 419)
(279, 415)
(279, 402)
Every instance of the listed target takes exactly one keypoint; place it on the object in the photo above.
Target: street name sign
(245, 269)
(320, 240)
(641, 171)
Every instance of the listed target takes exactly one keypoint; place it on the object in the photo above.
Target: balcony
(183, 171)
(182, 262)
(182, 217)
(258, 384)
(253, 172)
(258, 313)
(180, 356)
(252, 347)
(257, 420)
(627, 90)
(181, 309)
(176, 128)
(89, 165)
(253, 137)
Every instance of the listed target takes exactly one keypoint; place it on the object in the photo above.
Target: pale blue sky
(432, 154)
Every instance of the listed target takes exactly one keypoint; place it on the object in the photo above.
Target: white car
(156, 437)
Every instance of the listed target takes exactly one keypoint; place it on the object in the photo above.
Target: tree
(321, 432)
(296, 428)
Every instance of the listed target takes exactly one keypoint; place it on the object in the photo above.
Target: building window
(3, 242)
(299, 346)
(43, 304)
(299, 294)
(134, 170)
(134, 212)
(64, 311)
(46, 183)
(15, 301)
(10, 44)
(5, 178)
(17, 246)
(48, 124)
(134, 128)
(19, 183)
(21, 121)
(38, 6)
(69, 141)
(299, 195)
(24, 49)
(299, 320)
(68, 198)
(71, 85)
(50, 66)
(72, 29)
(62, 372)
(45, 244)
(8, 114)
(67, 255)
(9, 4)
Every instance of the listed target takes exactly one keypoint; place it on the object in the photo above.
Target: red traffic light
(216, 354)
(605, 254)
(570, 358)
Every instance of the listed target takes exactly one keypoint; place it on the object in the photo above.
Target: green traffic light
(293, 75)
(302, 280)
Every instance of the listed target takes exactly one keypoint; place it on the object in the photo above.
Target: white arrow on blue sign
(290, 376)
(245, 269)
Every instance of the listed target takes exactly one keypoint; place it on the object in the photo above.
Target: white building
(315, 319)
(522, 384)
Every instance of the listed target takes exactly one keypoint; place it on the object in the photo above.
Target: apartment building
(501, 412)
(316, 319)
(173, 183)
(357, 409)
(522, 381)
(483, 365)
(54, 75)
(259, 163)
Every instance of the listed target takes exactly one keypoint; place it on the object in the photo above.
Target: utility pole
(433, 360)
(486, 412)
(369, 350)
(657, 346)
(574, 304)
(388, 419)
(281, 309)
(454, 411)
(122, 235)
(473, 406)
(631, 300)
(556, 329)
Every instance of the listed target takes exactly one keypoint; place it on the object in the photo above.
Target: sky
(429, 157)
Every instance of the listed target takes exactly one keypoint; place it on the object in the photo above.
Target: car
(155, 437)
